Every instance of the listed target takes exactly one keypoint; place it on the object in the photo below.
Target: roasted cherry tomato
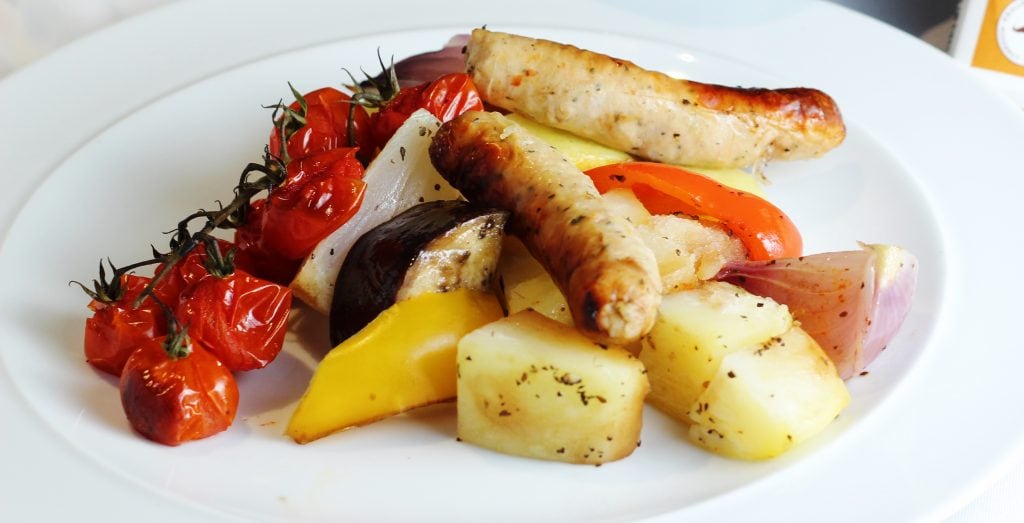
(326, 125)
(447, 97)
(116, 329)
(240, 318)
(255, 260)
(177, 396)
(764, 229)
(321, 193)
(191, 269)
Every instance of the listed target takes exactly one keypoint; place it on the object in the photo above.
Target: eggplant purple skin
(377, 264)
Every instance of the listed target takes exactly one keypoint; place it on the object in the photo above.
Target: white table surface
(29, 29)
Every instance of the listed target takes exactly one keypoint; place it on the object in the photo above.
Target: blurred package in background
(989, 36)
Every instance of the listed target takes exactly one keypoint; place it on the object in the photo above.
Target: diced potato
(527, 285)
(687, 251)
(530, 386)
(733, 365)
(583, 153)
(763, 400)
(695, 330)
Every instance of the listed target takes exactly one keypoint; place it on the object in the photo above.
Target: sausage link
(609, 277)
(647, 113)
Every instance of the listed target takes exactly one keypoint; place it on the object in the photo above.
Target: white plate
(935, 417)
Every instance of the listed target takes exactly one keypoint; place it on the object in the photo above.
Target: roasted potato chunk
(530, 386)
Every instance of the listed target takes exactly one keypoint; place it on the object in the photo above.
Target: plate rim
(88, 45)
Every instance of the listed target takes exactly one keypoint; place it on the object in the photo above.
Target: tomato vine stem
(268, 176)
(254, 179)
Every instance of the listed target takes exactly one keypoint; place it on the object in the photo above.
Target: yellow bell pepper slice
(587, 154)
(583, 153)
(403, 359)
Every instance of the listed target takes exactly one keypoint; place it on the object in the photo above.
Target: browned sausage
(646, 113)
(609, 277)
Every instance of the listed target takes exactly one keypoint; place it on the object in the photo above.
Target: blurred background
(31, 28)
(916, 17)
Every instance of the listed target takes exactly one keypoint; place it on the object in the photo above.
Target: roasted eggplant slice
(432, 247)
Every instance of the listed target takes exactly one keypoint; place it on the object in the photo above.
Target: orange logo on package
(1001, 40)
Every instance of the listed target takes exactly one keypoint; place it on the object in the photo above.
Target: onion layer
(852, 302)
(427, 67)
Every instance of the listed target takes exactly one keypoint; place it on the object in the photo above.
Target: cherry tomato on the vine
(191, 269)
(240, 318)
(256, 260)
(173, 399)
(326, 125)
(116, 329)
(447, 97)
(321, 193)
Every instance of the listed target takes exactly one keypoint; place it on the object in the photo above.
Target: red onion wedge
(427, 67)
(852, 302)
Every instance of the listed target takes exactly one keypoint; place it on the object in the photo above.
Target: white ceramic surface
(176, 137)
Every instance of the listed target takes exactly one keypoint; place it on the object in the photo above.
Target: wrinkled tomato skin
(337, 162)
(321, 193)
(445, 98)
(241, 319)
(116, 329)
(255, 260)
(171, 401)
(190, 270)
(326, 125)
